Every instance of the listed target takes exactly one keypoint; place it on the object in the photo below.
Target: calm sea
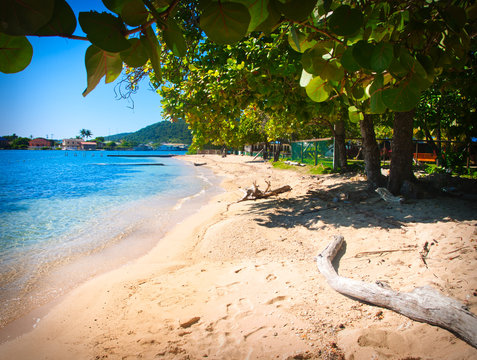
(66, 216)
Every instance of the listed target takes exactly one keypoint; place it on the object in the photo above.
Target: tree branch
(423, 304)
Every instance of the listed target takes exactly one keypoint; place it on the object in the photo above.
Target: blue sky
(46, 98)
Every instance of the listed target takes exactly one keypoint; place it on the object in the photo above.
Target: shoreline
(238, 280)
(64, 275)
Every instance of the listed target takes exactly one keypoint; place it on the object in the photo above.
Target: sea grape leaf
(153, 50)
(316, 90)
(296, 10)
(381, 57)
(174, 38)
(269, 23)
(411, 64)
(104, 30)
(348, 61)
(299, 41)
(361, 51)
(114, 5)
(136, 55)
(24, 17)
(312, 56)
(101, 63)
(259, 12)
(15, 53)
(63, 21)
(403, 97)
(327, 69)
(345, 21)
(376, 103)
(354, 114)
(225, 23)
(358, 92)
(134, 13)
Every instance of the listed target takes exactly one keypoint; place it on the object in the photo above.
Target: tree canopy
(245, 69)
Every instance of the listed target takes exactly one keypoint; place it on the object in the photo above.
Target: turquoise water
(61, 208)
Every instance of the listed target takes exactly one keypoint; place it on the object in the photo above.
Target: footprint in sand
(239, 309)
(275, 300)
(271, 277)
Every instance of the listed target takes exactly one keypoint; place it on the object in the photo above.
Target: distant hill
(161, 132)
(116, 137)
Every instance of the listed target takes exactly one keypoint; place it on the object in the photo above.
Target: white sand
(238, 280)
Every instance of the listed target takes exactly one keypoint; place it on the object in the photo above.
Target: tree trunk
(371, 152)
(402, 150)
(339, 133)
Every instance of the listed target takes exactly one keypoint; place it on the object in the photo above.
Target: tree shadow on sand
(352, 204)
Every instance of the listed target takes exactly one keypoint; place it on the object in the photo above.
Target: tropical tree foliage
(366, 57)
(86, 133)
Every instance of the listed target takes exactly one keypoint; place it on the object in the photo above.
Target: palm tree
(86, 133)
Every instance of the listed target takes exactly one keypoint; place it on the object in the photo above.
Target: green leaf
(114, 5)
(312, 56)
(402, 98)
(104, 30)
(259, 11)
(269, 23)
(225, 23)
(134, 13)
(381, 57)
(25, 17)
(153, 50)
(327, 69)
(375, 91)
(411, 64)
(63, 21)
(174, 38)
(136, 55)
(358, 92)
(296, 10)
(354, 114)
(299, 41)
(316, 90)
(348, 61)
(101, 63)
(15, 53)
(345, 21)
(361, 51)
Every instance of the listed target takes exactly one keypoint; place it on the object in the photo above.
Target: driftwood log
(423, 304)
(255, 193)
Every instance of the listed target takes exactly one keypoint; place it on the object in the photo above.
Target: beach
(238, 280)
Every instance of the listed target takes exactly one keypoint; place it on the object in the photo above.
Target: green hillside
(116, 137)
(161, 132)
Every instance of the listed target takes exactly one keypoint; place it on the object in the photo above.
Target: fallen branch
(380, 252)
(255, 193)
(423, 304)
(388, 197)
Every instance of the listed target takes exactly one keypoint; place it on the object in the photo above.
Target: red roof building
(39, 143)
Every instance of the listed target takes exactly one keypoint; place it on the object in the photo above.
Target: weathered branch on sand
(255, 193)
(423, 304)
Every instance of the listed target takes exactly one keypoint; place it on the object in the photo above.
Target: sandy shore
(239, 281)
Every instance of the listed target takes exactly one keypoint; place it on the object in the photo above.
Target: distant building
(143, 147)
(174, 147)
(71, 144)
(88, 145)
(40, 143)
